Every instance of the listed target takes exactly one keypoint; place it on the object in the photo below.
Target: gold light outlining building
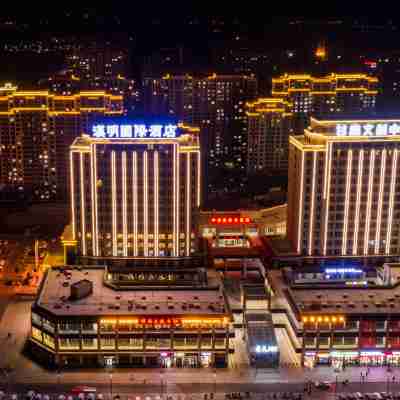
(269, 124)
(135, 189)
(36, 130)
(343, 185)
(321, 97)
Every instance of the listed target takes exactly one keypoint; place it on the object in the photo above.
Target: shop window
(107, 343)
(37, 334)
(49, 341)
(380, 341)
(151, 343)
(380, 325)
(106, 326)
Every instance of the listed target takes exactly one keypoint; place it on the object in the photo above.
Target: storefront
(340, 359)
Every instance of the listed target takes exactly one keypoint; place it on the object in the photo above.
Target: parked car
(322, 385)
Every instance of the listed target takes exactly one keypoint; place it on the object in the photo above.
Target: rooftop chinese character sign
(369, 129)
(135, 131)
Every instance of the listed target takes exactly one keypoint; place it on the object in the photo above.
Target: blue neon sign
(135, 131)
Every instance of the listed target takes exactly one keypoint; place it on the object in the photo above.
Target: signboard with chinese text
(135, 131)
(369, 129)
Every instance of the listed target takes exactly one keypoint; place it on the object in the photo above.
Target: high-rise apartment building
(344, 187)
(321, 97)
(216, 104)
(135, 190)
(36, 130)
(269, 124)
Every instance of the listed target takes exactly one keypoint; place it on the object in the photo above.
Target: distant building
(343, 185)
(269, 124)
(36, 130)
(135, 190)
(321, 97)
(216, 104)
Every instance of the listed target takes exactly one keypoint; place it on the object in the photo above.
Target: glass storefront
(340, 359)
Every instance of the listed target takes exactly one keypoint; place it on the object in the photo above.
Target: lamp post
(215, 381)
(161, 385)
(111, 388)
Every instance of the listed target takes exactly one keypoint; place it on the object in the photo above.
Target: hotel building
(343, 188)
(36, 130)
(321, 97)
(269, 124)
(135, 190)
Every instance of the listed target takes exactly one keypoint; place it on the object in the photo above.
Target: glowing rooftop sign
(343, 271)
(266, 349)
(135, 131)
(368, 129)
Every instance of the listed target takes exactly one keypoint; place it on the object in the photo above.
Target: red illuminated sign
(230, 220)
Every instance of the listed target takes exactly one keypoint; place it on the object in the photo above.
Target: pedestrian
(393, 378)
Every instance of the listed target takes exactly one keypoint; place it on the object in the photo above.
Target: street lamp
(215, 381)
(111, 382)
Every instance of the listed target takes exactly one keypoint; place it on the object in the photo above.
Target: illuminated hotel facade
(343, 188)
(36, 130)
(323, 96)
(269, 124)
(135, 190)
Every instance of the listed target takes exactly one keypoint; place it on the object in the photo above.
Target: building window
(49, 341)
(36, 334)
(48, 325)
(89, 327)
(89, 343)
(68, 344)
(37, 319)
(220, 343)
(130, 343)
(107, 343)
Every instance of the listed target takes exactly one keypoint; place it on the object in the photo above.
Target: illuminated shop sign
(343, 271)
(135, 131)
(368, 129)
(266, 349)
(230, 220)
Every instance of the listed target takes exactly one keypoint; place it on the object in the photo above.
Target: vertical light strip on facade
(347, 201)
(135, 203)
(391, 201)
(311, 227)
(72, 180)
(327, 196)
(178, 196)
(380, 202)
(198, 179)
(188, 203)
(96, 211)
(114, 204)
(145, 206)
(83, 219)
(369, 200)
(156, 205)
(124, 205)
(360, 169)
(300, 222)
(92, 200)
(174, 203)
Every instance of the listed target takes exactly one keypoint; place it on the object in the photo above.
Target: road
(199, 388)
